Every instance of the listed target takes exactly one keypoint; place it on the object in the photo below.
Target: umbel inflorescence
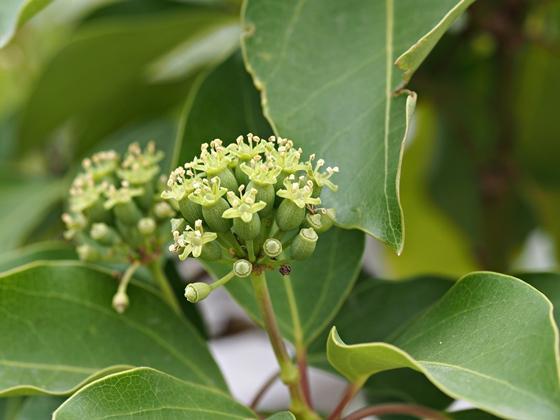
(253, 204)
(116, 213)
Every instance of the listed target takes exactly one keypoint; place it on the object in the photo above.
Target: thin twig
(263, 390)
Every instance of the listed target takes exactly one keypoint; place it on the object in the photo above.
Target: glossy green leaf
(225, 105)
(64, 309)
(491, 341)
(391, 305)
(320, 284)
(549, 284)
(112, 81)
(328, 80)
(31, 199)
(14, 13)
(448, 253)
(152, 395)
(52, 250)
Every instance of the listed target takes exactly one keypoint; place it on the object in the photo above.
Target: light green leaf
(51, 250)
(64, 309)
(30, 199)
(112, 80)
(152, 395)
(549, 284)
(225, 105)
(320, 284)
(491, 341)
(14, 13)
(336, 92)
(395, 304)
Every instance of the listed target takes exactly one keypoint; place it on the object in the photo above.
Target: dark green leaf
(64, 309)
(225, 106)
(112, 81)
(152, 395)
(53, 250)
(328, 80)
(32, 199)
(388, 306)
(491, 341)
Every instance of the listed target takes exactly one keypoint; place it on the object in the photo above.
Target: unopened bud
(146, 226)
(163, 210)
(242, 268)
(88, 253)
(195, 292)
(289, 215)
(304, 244)
(103, 234)
(272, 247)
(120, 301)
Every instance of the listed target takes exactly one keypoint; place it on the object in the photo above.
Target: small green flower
(180, 184)
(247, 151)
(321, 179)
(84, 193)
(140, 167)
(207, 193)
(261, 172)
(244, 206)
(214, 158)
(75, 223)
(191, 241)
(101, 164)
(285, 156)
(299, 192)
(122, 195)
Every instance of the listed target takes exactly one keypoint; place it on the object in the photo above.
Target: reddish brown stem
(263, 390)
(304, 376)
(347, 396)
(408, 409)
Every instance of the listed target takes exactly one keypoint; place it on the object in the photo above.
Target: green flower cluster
(253, 204)
(116, 213)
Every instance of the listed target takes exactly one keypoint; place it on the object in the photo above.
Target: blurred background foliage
(480, 183)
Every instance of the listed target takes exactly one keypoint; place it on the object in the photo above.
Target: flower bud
(211, 251)
(228, 179)
(272, 247)
(163, 210)
(195, 292)
(128, 213)
(88, 253)
(190, 210)
(247, 231)
(289, 215)
(103, 234)
(242, 268)
(321, 221)
(304, 244)
(266, 193)
(120, 302)
(146, 226)
(213, 216)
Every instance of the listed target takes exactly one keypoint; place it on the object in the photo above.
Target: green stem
(156, 270)
(288, 372)
(127, 276)
(251, 250)
(301, 353)
(231, 241)
(220, 282)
